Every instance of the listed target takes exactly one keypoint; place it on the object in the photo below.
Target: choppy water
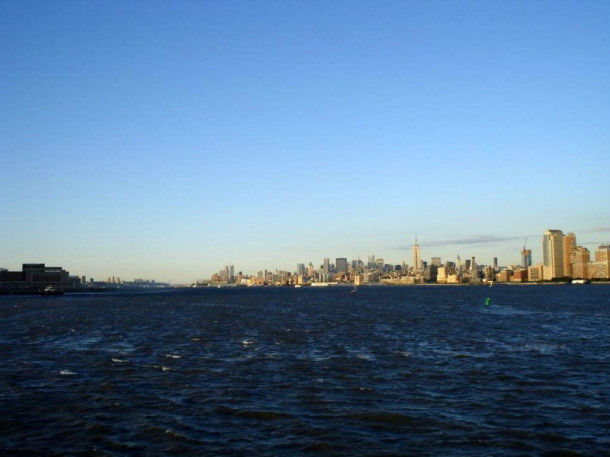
(386, 371)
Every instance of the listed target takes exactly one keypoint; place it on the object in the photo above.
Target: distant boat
(50, 290)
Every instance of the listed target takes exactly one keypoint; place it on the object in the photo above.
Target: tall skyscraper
(418, 265)
(552, 254)
(341, 265)
(326, 266)
(569, 248)
(526, 257)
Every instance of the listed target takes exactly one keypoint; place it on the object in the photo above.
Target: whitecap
(173, 356)
(364, 356)
(115, 360)
(67, 373)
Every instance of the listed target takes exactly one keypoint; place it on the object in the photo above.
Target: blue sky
(165, 139)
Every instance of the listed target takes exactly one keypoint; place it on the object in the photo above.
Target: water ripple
(391, 371)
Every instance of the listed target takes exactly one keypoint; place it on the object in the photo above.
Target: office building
(580, 262)
(35, 277)
(602, 254)
(535, 273)
(600, 268)
(569, 247)
(552, 254)
(310, 270)
(341, 265)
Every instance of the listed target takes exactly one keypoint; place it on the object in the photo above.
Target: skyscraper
(341, 265)
(580, 262)
(552, 254)
(602, 254)
(310, 270)
(569, 248)
(600, 269)
(526, 258)
(418, 265)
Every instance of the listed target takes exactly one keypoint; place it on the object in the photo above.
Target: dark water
(386, 371)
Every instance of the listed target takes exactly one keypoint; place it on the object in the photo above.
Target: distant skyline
(164, 140)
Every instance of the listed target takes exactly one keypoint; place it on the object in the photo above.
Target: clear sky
(165, 139)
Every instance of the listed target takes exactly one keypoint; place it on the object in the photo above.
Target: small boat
(50, 290)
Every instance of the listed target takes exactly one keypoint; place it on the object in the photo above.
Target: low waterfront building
(504, 276)
(453, 278)
(35, 277)
(535, 273)
(519, 275)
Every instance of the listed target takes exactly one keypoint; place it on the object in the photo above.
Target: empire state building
(418, 265)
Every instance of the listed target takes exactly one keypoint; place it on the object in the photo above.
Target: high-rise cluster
(563, 258)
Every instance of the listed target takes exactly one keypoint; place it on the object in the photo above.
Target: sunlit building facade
(580, 262)
(569, 249)
(552, 254)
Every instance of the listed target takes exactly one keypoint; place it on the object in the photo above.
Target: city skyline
(165, 142)
(549, 255)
